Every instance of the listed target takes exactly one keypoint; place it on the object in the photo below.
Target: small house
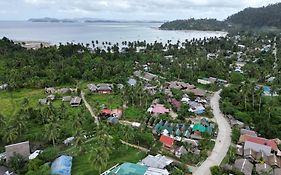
(167, 141)
(3, 86)
(75, 101)
(132, 82)
(104, 88)
(263, 168)
(66, 98)
(22, 149)
(180, 151)
(50, 90)
(92, 88)
(244, 166)
(43, 101)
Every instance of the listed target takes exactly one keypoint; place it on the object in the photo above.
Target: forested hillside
(249, 18)
(258, 17)
(193, 24)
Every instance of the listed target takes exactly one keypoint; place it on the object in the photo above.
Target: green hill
(269, 16)
(194, 24)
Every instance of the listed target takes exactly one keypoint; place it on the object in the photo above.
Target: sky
(125, 9)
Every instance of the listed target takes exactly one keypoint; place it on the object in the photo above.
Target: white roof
(156, 171)
(136, 124)
(258, 147)
(157, 161)
(34, 155)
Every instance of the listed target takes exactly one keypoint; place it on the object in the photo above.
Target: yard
(81, 164)
(11, 102)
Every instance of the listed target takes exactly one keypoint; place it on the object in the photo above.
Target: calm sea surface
(102, 31)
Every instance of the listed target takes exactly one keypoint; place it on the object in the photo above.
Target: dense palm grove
(72, 64)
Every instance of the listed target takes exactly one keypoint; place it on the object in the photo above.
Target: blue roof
(199, 111)
(62, 166)
(266, 89)
(129, 169)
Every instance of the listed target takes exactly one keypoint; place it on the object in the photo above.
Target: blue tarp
(62, 166)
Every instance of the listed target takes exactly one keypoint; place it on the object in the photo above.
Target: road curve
(89, 108)
(223, 140)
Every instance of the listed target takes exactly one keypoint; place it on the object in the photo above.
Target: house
(196, 135)
(50, 90)
(145, 75)
(250, 154)
(201, 128)
(132, 82)
(51, 97)
(127, 169)
(43, 101)
(62, 165)
(64, 91)
(117, 113)
(263, 168)
(260, 141)
(6, 171)
(236, 123)
(75, 101)
(196, 108)
(158, 109)
(274, 161)
(157, 161)
(248, 132)
(175, 103)
(104, 88)
(257, 147)
(22, 149)
(66, 98)
(167, 141)
(244, 166)
(197, 92)
(92, 88)
(150, 89)
(180, 151)
(204, 81)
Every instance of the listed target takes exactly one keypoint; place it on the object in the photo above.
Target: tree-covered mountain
(269, 16)
(249, 18)
(194, 24)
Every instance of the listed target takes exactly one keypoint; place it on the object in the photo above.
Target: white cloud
(131, 9)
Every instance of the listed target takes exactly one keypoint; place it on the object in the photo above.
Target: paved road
(89, 108)
(222, 142)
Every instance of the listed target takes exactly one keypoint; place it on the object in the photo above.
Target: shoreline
(29, 44)
(207, 31)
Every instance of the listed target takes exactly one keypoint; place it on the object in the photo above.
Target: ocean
(113, 32)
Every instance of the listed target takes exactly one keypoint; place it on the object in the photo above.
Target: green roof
(129, 169)
(201, 128)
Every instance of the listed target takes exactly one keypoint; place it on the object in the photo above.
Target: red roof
(106, 111)
(176, 103)
(167, 141)
(261, 141)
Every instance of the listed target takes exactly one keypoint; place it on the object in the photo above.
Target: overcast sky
(125, 9)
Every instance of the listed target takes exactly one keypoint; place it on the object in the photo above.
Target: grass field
(81, 164)
(11, 102)
(134, 114)
(111, 101)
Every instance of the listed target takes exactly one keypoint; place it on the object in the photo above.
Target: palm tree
(77, 122)
(53, 132)
(10, 134)
(98, 158)
(2, 121)
(79, 139)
